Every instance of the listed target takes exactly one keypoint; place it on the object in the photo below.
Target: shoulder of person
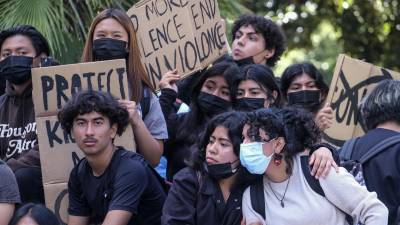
(187, 174)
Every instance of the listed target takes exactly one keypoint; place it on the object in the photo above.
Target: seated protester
(34, 214)
(110, 185)
(22, 47)
(9, 194)
(256, 89)
(277, 147)
(381, 113)
(303, 85)
(112, 36)
(255, 40)
(211, 96)
(210, 190)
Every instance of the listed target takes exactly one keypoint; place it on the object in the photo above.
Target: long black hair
(233, 121)
(195, 120)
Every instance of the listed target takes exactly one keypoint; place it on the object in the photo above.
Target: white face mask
(252, 157)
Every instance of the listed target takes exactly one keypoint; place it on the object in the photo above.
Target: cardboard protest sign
(352, 80)
(186, 35)
(52, 87)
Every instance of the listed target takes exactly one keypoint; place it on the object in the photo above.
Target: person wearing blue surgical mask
(277, 145)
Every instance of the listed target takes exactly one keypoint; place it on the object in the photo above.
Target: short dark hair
(264, 77)
(272, 33)
(93, 101)
(38, 212)
(39, 42)
(295, 70)
(382, 104)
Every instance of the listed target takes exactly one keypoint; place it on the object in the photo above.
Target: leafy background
(316, 31)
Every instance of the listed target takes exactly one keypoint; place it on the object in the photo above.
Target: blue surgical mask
(252, 157)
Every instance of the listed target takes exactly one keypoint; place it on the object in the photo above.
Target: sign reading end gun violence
(52, 88)
(352, 80)
(183, 35)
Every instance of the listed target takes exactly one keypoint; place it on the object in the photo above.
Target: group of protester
(248, 150)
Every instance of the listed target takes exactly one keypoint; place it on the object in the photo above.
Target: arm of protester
(6, 212)
(324, 117)
(180, 205)
(252, 217)
(322, 161)
(167, 100)
(343, 191)
(78, 220)
(147, 145)
(117, 217)
(29, 159)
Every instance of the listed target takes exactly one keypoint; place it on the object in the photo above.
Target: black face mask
(249, 104)
(244, 62)
(108, 49)
(16, 69)
(308, 99)
(212, 105)
(220, 171)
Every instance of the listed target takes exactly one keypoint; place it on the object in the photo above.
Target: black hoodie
(18, 139)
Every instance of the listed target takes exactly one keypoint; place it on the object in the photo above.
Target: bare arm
(78, 220)
(117, 217)
(6, 213)
(147, 145)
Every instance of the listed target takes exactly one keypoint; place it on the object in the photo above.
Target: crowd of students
(248, 150)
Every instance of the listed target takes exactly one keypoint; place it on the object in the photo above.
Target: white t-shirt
(302, 205)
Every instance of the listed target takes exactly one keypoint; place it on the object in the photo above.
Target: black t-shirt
(382, 172)
(128, 184)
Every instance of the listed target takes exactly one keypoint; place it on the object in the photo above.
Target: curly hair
(93, 101)
(295, 125)
(272, 33)
(39, 42)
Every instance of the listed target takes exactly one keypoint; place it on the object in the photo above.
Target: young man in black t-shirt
(111, 185)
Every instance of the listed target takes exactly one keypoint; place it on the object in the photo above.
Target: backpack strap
(145, 102)
(257, 197)
(347, 149)
(314, 183)
(381, 146)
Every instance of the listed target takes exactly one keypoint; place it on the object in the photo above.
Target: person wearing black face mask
(303, 85)
(22, 48)
(210, 190)
(257, 89)
(212, 95)
(112, 36)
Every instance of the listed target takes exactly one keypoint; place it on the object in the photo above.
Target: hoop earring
(277, 159)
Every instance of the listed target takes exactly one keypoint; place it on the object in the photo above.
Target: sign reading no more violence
(183, 35)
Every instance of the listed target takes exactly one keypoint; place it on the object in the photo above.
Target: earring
(277, 159)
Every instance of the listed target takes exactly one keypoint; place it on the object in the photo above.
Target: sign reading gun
(352, 80)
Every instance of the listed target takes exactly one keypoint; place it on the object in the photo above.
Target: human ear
(279, 145)
(269, 53)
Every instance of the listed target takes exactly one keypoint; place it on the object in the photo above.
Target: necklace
(284, 193)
